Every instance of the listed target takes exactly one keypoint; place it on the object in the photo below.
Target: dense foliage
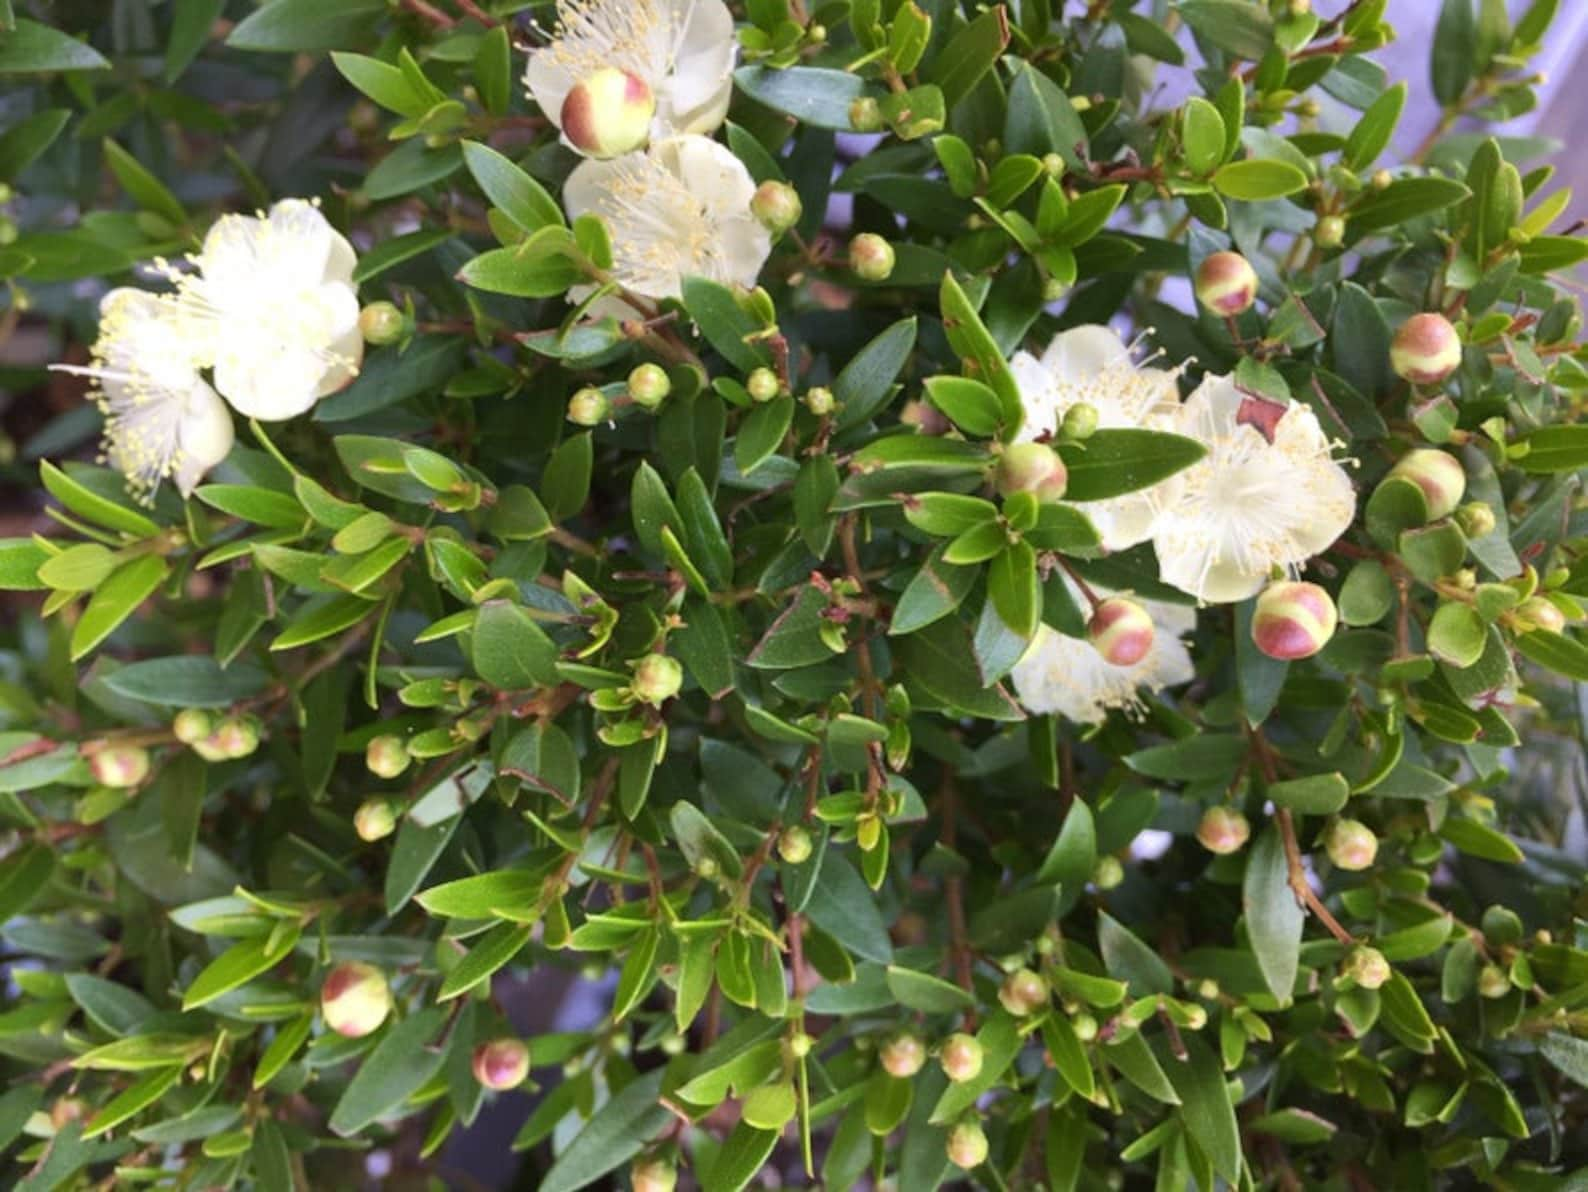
(588, 507)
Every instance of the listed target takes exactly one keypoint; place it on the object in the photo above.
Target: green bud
(865, 115)
(1475, 519)
(501, 1063)
(1023, 993)
(191, 725)
(1425, 350)
(608, 113)
(1438, 474)
(375, 819)
(1080, 422)
(871, 257)
(776, 205)
(967, 1145)
(382, 323)
(1107, 873)
(386, 756)
(1351, 844)
(819, 400)
(1223, 830)
(649, 386)
(1226, 284)
(1367, 967)
(763, 385)
(902, 1055)
(961, 1057)
(657, 678)
(1031, 468)
(794, 844)
(589, 407)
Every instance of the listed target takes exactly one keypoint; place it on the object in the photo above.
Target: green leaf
(116, 600)
(1117, 461)
(288, 26)
(1457, 634)
(1126, 957)
(1070, 861)
(23, 877)
(1480, 840)
(143, 187)
(510, 650)
(1273, 917)
(495, 948)
(1551, 449)
(1402, 200)
(31, 48)
(1204, 1103)
(1213, 756)
(400, 1064)
(1567, 1053)
(322, 619)
(1555, 651)
(132, 1100)
(864, 384)
(187, 681)
(970, 54)
(1041, 119)
(1014, 588)
(924, 992)
(240, 963)
(1202, 136)
(1373, 131)
(1455, 51)
(191, 25)
(391, 253)
(416, 851)
(940, 660)
(542, 266)
(510, 189)
(25, 140)
(481, 896)
(85, 502)
(724, 323)
(936, 590)
(1068, 1054)
(842, 906)
(1317, 794)
(617, 1132)
(1238, 27)
(812, 95)
(386, 84)
(761, 433)
(743, 1155)
(1257, 178)
(262, 506)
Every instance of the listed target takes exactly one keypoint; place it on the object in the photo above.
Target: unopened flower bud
(777, 206)
(1223, 830)
(1539, 612)
(191, 725)
(865, 115)
(234, 737)
(1475, 519)
(794, 845)
(967, 1145)
(1367, 967)
(1438, 474)
(119, 765)
(382, 323)
(374, 820)
(1293, 619)
(1031, 468)
(961, 1057)
(1330, 232)
(67, 1110)
(608, 113)
(816, 33)
(1226, 284)
(1023, 993)
(819, 400)
(871, 257)
(1351, 844)
(1053, 165)
(868, 831)
(1107, 873)
(589, 407)
(903, 1055)
(649, 386)
(925, 417)
(762, 385)
(800, 1045)
(653, 1175)
(1121, 631)
(1085, 1026)
(1080, 421)
(1381, 179)
(502, 1063)
(386, 756)
(1426, 349)
(1493, 981)
(355, 999)
(657, 678)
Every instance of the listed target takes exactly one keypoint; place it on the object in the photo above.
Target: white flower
(1091, 364)
(162, 420)
(1067, 676)
(682, 49)
(680, 209)
(1251, 504)
(270, 306)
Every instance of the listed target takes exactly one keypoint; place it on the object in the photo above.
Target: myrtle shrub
(996, 579)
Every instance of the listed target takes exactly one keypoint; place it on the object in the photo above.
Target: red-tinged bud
(1351, 844)
(1367, 967)
(871, 257)
(649, 386)
(903, 1055)
(1226, 284)
(119, 765)
(776, 205)
(236, 736)
(1438, 474)
(1121, 631)
(1023, 993)
(1426, 350)
(967, 1145)
(382, 323)
(924, 417)
(589, 407)
(608, 113)
(1293, 619)
(1223, 830)
(653, 1175)
(794, 845)
(386, 756)
(355, 999)
(192, 725)
(961, 1057)
(374, 820)
(501, 1063)
(1031, 468)
(657, 678)
(67, 1110)
(1539, 612)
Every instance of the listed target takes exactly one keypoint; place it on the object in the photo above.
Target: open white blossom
(1066, 676)
(162, 420)
(680, 209)
(1268, 494)
(682, 49)
(270, 306)
(1091, 364)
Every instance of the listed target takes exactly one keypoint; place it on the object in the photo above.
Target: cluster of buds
(1426, 350)
(355, 999)
(1223, 830)
(216, 740)
(1226, 284)
(1120, 630)
(608, 113)
(1293, 620)
(502, 1063)
(1031, 468)
(1439, 475)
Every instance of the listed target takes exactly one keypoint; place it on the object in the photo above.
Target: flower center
(633, 35)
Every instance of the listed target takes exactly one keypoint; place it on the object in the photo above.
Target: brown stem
(954, 893)
(430, 13)
(1298, 879)
(471, 9)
